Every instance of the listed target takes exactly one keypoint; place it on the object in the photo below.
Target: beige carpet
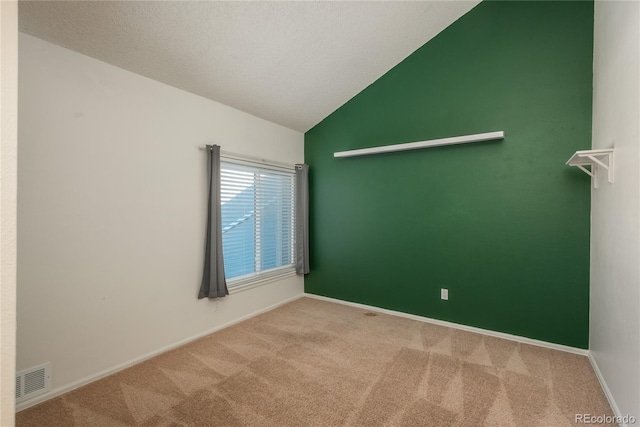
(315, 363)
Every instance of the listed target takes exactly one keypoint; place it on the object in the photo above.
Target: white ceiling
(292, 63)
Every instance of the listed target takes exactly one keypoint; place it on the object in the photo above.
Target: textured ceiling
(292, 63)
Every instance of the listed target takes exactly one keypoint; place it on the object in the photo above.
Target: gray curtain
(213, 284)
(302, 219)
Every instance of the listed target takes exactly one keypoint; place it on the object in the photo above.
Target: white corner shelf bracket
(596, 159)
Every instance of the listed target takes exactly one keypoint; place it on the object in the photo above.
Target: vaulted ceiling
(292, 63)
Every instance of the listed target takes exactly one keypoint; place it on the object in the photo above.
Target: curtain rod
(251, 159)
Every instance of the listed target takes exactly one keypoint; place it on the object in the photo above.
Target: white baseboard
(488, 332)
(605, 388)
(88, 379)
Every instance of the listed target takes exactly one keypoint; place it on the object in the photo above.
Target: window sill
(254, 282)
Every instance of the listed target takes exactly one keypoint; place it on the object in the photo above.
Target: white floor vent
(33, 381)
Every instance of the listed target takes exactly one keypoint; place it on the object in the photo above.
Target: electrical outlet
(444, 294)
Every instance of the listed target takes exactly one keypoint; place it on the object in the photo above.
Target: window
(257, 219)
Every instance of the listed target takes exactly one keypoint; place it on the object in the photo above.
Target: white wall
(615, 208)
(8, 202)
(111, 209)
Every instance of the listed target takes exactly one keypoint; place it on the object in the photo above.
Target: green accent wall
(503, 225)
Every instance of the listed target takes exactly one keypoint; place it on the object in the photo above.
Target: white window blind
(257, 220)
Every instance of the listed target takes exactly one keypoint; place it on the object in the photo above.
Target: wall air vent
(33, 382)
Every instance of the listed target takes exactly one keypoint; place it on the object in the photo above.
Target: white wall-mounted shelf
(596, 159)
(422, 144)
